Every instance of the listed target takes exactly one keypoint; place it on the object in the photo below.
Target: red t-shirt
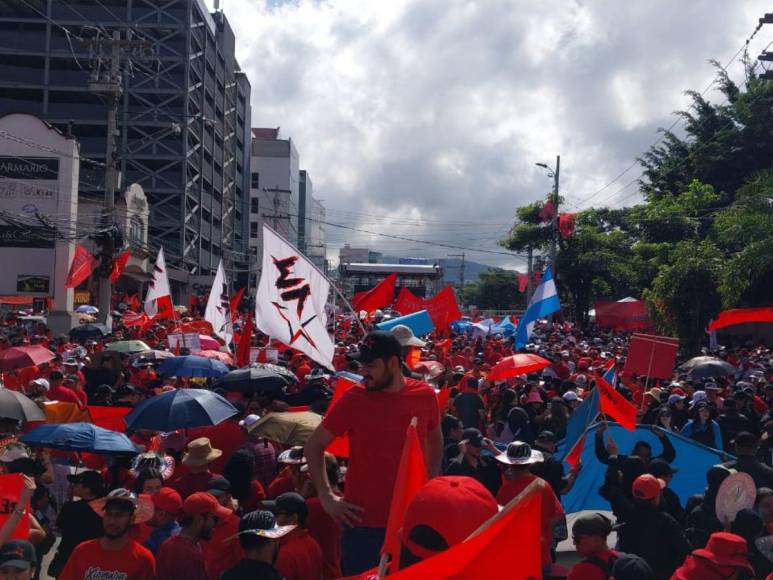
(551, 508)
(327, 532)
(282, 483)
(300, 557)
(257, 495)
(223, 551)
(180, 557)
(60, 393)
(90, 560)
(189, 483)
(587, 571)
(376, 422)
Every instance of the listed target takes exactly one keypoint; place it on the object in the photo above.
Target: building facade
(316, 244)
(422, 280)
(183, 115)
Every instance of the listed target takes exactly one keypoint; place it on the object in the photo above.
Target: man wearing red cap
(725, 556)
(166, 505)
(376, 419)
(181, 556)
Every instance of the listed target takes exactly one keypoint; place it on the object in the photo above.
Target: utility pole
(461, 268)
(106, 81)
(530, 274)
(554, 245)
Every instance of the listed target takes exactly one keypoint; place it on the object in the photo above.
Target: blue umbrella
(192, 366)
(87, 309)
(180, 409)
(79, 437)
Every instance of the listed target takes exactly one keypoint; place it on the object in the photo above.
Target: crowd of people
(221, 502)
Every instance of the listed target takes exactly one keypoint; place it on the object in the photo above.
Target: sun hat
(647, 487)
(292, 456)
(13, 452)
(202, 502)
(655, 393)
(200, 452)
(249, 420)
(519, 453)
(452, 506)
(405, 336)
(141, 505)
(262, 523)
(151, 459)
(167, 500)
(316, 375)
(19, 554)
(726, 549)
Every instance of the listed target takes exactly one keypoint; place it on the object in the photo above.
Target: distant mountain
(472, 270)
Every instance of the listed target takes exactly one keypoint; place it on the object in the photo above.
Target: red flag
(411, 475)
(111, 418)
(340, 445)
(134, 303)
(408, 303)
(443, 308)
(615, 405)
(567, 222)
(442, 400)
(512, 535)
(741, 316)
(547, 211)
(83, 264)
(444, 345)
(119, 264)
(242, 356)
(165, 308)
(575, 454)
(235, 301)
(383, 294)
(134, 319)
(523, 282)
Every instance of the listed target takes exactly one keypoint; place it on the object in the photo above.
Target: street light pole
(554, 246)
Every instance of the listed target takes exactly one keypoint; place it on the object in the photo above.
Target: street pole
(554, 245)
(530, 274)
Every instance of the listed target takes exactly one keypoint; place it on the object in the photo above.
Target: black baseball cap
(377, 344)
(661, 467)
(18, 554)
(592, 525)
(290, 503)
(632, 567)
(547, 436)
(91, 480)
(474, 436)
(218, 485)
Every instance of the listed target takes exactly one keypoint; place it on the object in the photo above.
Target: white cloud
(437, 110)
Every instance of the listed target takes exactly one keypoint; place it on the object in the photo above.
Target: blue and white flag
(543, 303)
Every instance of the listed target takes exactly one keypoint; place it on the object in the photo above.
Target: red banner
(381, 295)
(631, 315)
(242, 355)
(111, 418)
(235, 301)
(10, 494)
(119, 265)
(408, 303)
(741, 316)
(83, 264)
(652, 356)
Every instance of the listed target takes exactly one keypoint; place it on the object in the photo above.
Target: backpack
(606, 567)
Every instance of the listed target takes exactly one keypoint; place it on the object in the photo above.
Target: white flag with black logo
(291, 298)
(218, 311)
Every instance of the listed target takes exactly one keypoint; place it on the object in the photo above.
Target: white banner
(291, 298)
(218, 311)
(271, 355)
(191, 341)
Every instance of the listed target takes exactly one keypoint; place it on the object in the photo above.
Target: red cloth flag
(510, 538)
(235, 301)
(443, 308)
(615, 405)
(548, 211)
(242, 355)
(411, 475)
(442, 400)
(83, 264)
(408, 303)
(119, 264)
(523, 282)
(741, 316)
(574, 456)
(340, 445)
(567, 223)
(383, 294)
(444, 345)
(133, 319)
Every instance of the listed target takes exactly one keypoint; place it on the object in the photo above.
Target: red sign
(651, 356)
(631, 315)
(10, 493)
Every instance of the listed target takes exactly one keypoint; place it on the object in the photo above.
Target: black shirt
(468, 407)
(486, 472)
(251, 570)
(77, 523)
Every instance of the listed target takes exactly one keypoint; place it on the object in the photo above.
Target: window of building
(254, 205)
(254, 230)
(135, 229)
(255, 181)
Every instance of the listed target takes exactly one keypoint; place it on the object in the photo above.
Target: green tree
(496, 289)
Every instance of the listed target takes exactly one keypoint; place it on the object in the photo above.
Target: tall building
(316, 245)
(183, 116)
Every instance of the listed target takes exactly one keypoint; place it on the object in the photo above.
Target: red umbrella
(24, 356)
(223, 357)
(517, 364)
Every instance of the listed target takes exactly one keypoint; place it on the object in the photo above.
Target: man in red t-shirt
(114, 555)
(589, 534)
(376, 419)
(300, 556)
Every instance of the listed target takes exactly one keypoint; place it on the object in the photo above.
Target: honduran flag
(543, 303)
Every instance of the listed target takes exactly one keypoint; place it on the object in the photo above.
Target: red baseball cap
(204, 503)
(453, 506)
(168, 500)
(647, 487)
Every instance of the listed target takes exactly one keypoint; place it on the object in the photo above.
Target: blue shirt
(161, 534)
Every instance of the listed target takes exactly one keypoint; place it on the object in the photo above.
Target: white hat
(520, 453)
(41, 383)
(249, 420)
(13, 452)
(570, 396)
(405, 336)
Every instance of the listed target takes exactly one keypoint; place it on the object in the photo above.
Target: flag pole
(313, 265)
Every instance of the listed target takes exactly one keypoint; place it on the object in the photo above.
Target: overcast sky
(425, 118)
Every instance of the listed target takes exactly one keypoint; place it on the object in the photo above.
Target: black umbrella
(283, 372)
(253, 380)
(17, 406)
(704, 367)
(87, 331)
